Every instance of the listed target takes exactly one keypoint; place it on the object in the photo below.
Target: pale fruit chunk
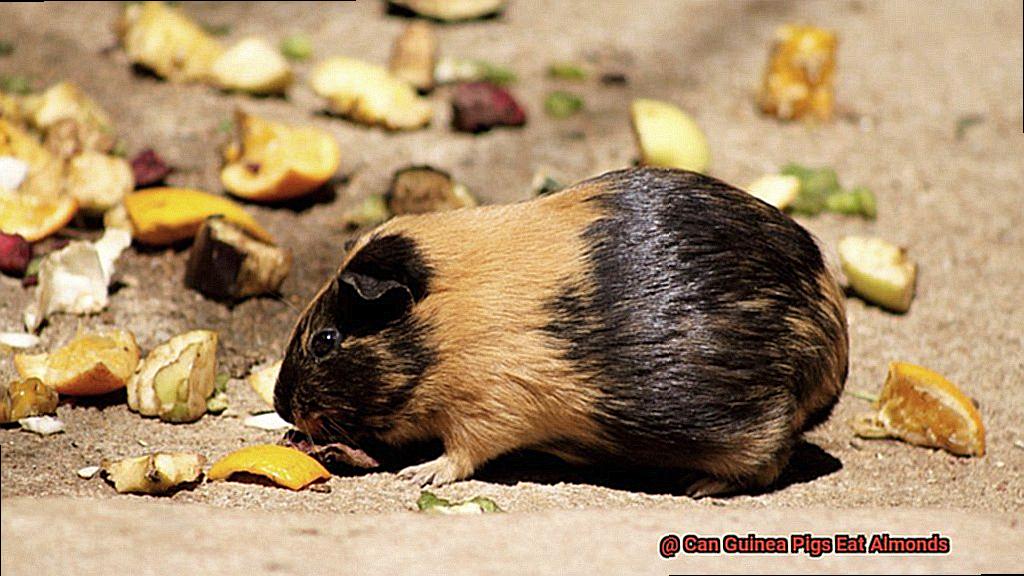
(668, 137)
(158, 473)
(921, 407)
(776, 189)
(45, 178)
(370, 94)
(252, 65)
(162, 216)
(431, 504)
(32, 217)
(452, 10)
(225, 263)
(163, 39)
(91, 364)
(423, 189)
(271, 162)
(98, 182)
(798, 80)
(176, 379)
(414, 56)
(878, 271)
(71, 120)
(284, 466)
(263, 381)
(26, 398)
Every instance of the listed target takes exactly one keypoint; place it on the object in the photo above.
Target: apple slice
(779, 190)
(668, 137)
(252, 65)
(878, 271)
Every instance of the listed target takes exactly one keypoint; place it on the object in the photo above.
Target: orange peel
(284, 466)
(32, 217)
(921, 407)
(91, 364)
(162, 216)
(270, 161)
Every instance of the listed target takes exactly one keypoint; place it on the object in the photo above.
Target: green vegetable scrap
(820, 190)
(562, 104)
(297, 47)
(218, 401)
(567, 71)
(15, 84)
(431, 504)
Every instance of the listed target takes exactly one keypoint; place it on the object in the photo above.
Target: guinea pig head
(358, 351)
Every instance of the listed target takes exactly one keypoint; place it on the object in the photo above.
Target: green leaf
(816, 185)
(562, 104)
(430, 503)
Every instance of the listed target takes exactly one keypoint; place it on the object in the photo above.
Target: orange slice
(162, 216)
(32, 217)
(271, 161)
(90, 364)
(921, 407)
(287, 467)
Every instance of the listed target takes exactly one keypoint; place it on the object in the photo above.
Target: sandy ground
(907, 72)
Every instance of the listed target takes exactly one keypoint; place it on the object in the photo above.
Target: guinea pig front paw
(439, 472)
(709, 486)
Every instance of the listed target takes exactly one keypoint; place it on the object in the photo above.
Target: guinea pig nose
(283, 400)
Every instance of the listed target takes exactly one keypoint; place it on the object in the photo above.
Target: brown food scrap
(798, 80)
(334, 453)
(149, 168)
(15, 254)
(414, 56)
(226, 263)
(480, 106)
(422, 189)
(25, 398)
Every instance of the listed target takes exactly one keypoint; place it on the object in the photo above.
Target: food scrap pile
(72, 200)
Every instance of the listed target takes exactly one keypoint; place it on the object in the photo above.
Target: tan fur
(495, 268)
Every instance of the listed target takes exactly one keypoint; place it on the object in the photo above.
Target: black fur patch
(683, 325)
(353, 390)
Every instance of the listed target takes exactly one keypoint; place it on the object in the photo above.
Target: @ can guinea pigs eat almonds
(646, 316)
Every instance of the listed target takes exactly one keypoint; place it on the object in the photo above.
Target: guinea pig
(643, 317)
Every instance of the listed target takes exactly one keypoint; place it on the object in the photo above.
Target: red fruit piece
(15, 254)
(479, 106)
(149, 168)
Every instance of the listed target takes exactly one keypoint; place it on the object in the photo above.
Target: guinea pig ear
(372, 303)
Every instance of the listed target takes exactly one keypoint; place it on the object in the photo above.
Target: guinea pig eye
(323, 342)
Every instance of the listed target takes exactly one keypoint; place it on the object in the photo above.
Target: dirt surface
(907, 73)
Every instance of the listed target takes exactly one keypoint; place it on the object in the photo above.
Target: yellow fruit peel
(89, 365)
(26, 398)
(32, 217)
(163, 39)
(878, 271)
(163, 216)
(370, 94)
(158, 473)
(284, 466)
(921, 407)
(798, 79)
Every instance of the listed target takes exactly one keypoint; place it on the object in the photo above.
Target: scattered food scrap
(157, 473)
(414, 56)
(13, 171)
(42, 425)
(921, 407)
(333, 453)
(32, 217)
(75, 278)
(270, 162)
(267, 421)
(98, 182)
(668, 137)
(70, 121)
(451, 70)
(431, 504)
(227, 264)
(25, 398)
(370, 212)
(88, 365)
(369, 94)
(561, 104)
(779, 190)
(297, 47)
(149, 169)
(878, 271)
(820, 190)
(87, 472)
(163, 39)
(252, 65)
(263, 380)
(480, 106)
(163, 216)
(284, 466)
(17, 340)
(544, 184)
(217, 403)
(423, 189)
(176, 379)
(15, 254)
(452, 10)
(567, 71)
(798, 80)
